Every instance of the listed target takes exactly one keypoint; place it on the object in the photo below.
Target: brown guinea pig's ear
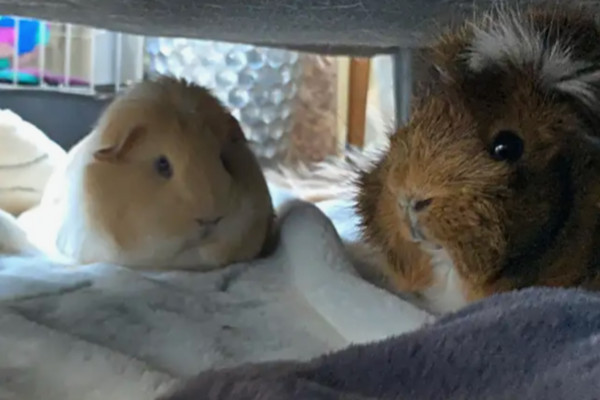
(234, 130)
(119, 150)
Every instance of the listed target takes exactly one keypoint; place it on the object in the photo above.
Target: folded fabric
(102, 331)
(534, 344)
(27, 158)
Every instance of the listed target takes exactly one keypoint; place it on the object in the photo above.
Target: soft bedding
(105, 332)
(535, 344)
(102, 331)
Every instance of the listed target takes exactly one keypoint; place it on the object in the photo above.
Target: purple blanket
(534, 344)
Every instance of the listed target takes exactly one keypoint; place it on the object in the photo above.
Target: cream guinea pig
(165, 180)
(494, 184)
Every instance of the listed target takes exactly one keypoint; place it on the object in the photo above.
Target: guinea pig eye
(162, 165)
(507, 146)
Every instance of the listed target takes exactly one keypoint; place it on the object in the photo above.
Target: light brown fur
(493, 217)
(186, 123)
(171, 118)
(118, 208)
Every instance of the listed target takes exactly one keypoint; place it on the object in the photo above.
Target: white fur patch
(508, 38)
(332, 178)
(446, 294)
(582, 87)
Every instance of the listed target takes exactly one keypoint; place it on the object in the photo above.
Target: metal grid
(72, 46)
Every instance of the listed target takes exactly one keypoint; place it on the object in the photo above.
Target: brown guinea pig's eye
(506, 146)
(162, 165)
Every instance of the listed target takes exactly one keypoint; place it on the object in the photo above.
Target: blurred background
(293, 106)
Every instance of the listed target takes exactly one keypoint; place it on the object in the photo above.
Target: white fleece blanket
(105, 332)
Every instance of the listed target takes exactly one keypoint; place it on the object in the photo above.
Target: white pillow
(27, 158)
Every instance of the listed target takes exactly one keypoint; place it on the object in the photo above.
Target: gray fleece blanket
(535, 344)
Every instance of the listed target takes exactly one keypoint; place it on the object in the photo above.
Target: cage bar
(42, 53)
(403, 80)
(92, 71)
(15, 55)
(118, 65)
(68, 44)
(139, 58)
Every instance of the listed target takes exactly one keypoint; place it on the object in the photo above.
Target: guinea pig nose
(205, 222)
(420, 205)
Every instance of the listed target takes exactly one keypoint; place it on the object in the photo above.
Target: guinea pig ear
(118, 151)
(234, 130)
(235, 135)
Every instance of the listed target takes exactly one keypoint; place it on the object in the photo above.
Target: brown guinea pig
(165, 180)
(494, 184)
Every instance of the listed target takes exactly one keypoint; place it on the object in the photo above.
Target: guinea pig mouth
(430, 246)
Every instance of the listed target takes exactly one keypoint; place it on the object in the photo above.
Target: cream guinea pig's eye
(162, 165)
(506, 146)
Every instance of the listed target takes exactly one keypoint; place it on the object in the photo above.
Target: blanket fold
(532, 344)
(102, 331)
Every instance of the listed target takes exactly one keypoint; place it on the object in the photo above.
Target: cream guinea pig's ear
(234, 130)
(125, 142)
(230, 150)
